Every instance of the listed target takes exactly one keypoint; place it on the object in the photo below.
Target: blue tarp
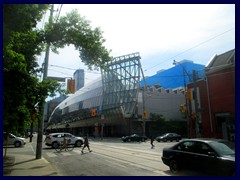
(174, 77)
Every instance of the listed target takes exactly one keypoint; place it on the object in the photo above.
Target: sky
(161, 33)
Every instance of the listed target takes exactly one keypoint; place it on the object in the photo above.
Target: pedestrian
(65, 142)
(86, 144)
(151, 141)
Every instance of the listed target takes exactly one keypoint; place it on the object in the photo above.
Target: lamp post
(185, 87)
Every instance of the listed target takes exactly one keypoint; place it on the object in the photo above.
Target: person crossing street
(86, 144)
(151, 141)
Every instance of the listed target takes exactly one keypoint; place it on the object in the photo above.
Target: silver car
(13, 140)
(54, 139)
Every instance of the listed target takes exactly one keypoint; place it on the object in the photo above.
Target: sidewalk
(19, 164)
(22, 162)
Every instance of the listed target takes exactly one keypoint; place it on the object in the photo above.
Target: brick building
(216, 99)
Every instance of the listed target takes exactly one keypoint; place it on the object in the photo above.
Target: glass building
(107, 106)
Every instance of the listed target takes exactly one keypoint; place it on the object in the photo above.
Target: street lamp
(185, 87)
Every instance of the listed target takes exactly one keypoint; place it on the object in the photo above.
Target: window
(186, 146)
(202, 148)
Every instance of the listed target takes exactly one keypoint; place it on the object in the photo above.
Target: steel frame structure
(120, 85)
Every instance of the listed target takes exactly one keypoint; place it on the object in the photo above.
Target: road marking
(132, 164)
(141, 166)
(115, 163)
(77, 151)
(32, 148)
(51, 154)
(161, 172)
(65, 153)
(129, 149)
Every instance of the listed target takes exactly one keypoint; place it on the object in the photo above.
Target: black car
(169, 137)
(134, 137)
(211, 156)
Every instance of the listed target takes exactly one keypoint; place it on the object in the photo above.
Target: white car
(13, 140)
(54, 138)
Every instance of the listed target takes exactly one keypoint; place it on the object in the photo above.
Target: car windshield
(11, 135)
(223, 148)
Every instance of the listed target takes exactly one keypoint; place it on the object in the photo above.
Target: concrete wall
(162, 101)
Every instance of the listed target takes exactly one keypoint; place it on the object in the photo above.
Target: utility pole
(40, 121)
(185, 87)
(144, 110)
(196, 104)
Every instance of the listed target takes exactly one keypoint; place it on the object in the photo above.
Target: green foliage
(21, 45)
(157, 117)
(23, 94)
(21, 18)
(76, 30)
(159, 126)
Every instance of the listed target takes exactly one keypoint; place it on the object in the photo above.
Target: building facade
(79, 78)
(215, 114)
(114, 104)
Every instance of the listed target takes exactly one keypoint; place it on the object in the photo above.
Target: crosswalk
(125, 158)
(63, 153)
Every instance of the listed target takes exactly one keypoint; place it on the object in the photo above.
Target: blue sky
(159, 32)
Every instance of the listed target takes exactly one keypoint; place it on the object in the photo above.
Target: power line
(191, 48)
(59, 12)
(63, 67)
(73, 69)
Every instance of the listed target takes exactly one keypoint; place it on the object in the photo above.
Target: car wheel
(55, 145)
(177, 139)
(173, 165)
(17, 144)
(158, 140)
(78, 143)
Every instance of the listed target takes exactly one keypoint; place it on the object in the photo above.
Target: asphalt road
(111, 157)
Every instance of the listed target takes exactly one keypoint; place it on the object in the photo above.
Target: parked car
(13, 140)
(212, 156)
(54, 139)
(169, 137)
(134, 137)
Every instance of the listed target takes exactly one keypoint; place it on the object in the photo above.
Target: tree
(21, 45)
(23, 92)
(76, 30)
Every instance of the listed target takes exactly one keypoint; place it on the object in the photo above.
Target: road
(111, 157)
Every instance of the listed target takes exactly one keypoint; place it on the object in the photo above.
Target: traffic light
(145, 115)
(93, 112)
(182, 108)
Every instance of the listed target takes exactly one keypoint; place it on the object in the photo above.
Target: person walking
(86, 144)
(151, 141)
(65, 142)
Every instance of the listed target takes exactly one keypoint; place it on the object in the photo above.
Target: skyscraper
(79, 79)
